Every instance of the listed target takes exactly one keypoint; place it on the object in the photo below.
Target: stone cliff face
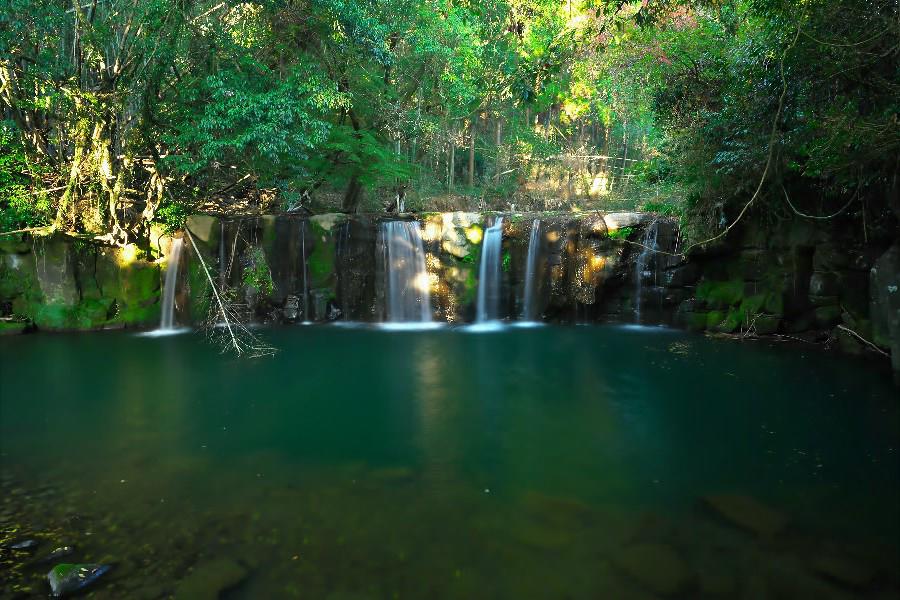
(331, 266)
(61, 284)
(797, 278)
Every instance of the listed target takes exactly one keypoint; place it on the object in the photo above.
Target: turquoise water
(524, 463)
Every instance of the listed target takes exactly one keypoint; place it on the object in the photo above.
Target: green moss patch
(720, 294)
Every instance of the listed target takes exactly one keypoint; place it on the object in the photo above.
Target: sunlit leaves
(261, 121)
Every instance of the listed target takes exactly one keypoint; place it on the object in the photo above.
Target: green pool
(554, 462)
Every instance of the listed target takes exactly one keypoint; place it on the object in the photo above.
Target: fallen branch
(222, 310)
(28, 230)
(863, 340)
(240, 339)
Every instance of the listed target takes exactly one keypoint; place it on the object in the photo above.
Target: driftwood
(238, 337)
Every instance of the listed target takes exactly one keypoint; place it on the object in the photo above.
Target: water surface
(522, 463)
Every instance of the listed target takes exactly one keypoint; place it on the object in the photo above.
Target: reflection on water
(533, 463)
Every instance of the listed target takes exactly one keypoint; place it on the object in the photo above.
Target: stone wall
(342, 274)
(60, 283)
(797, 277)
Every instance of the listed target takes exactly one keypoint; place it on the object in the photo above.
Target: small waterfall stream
(649, 246)
(407, 296)
(167, 320)
(489, 274)
(531, 276)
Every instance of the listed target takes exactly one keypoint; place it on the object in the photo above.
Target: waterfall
(531, 289)
(167, 321)
(489, 272)
(407, 287)
(648, 243)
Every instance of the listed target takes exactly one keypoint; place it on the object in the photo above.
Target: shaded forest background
(118, 114)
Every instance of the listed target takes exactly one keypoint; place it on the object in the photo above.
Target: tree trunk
(472, 133)
(65, 210)
(624, 155)
(451, 168)
(499, 164)
(352, 195)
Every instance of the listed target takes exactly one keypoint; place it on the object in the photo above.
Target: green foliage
(363, 156)
(664, 206)
(255, 119)
(173, 215)
(715, 87)
(622, 233)
(257, 274)
(238, 104)
(19, 207)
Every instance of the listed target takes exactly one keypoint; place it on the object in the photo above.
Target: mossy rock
(767, 324)
(18, 277)
(695, 321)
(130, 289)
(747, 513)
(720, 294)
(802, 322)
(733, 321)
(200, 296)
(827, 316)
(714, 318)
(137, 297)
(321, 262)
(774, 303)
(204, 227)
(655, 566)
(13, 327)
(470, 286)
(750, 265)
(211, 579)
(14, 244)
(55, 269)
(753, 305)
(90, 313)
(323, 224)
(53, 316)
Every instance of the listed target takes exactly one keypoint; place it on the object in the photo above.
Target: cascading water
(648, 247)
(407, 286)
(489, 274)
(531, 276)
(167, 321)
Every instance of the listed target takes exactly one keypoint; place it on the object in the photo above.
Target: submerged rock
(210, 579)
(843, 570)
(67, 578)
(655, 566)
(55, 554)
(24, 545)
(747, 513)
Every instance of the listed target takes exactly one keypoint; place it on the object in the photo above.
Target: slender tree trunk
(452, 166)
(472, 133)
(624, 155)
(65, 210)
(499, 163)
